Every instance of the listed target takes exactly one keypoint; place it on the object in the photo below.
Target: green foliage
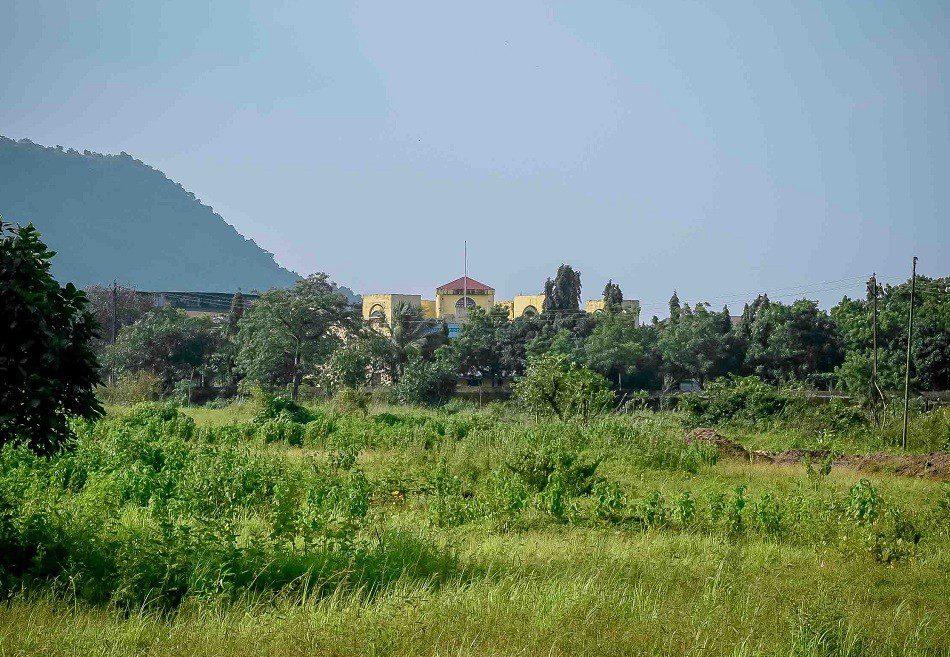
(166, 342)
(350, 400)
(553, 385)
(131, 388)
(288, 335)
(142, 513)
(613, 297)
(553, 462)
(425, 383)
(272, 407)
(563, 294)
(48, 371)
(614, 346)
(796, 342)
(411, 337)
(741, 399)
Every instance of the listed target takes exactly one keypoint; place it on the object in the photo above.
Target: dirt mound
(935, 465)
(712, 437)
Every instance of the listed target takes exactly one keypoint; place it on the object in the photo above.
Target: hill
(114, 217)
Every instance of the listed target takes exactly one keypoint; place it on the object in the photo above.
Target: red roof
(464, 283)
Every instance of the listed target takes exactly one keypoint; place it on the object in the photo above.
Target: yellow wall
(445, 303)
(387, 302)
(522, 301)
(628, 305)
(428, 309)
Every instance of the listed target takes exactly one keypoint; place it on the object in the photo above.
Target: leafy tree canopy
(48, 370)
(287, 335)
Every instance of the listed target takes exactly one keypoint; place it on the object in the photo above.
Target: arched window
(464, 302)
(377, 313)
(529, 311)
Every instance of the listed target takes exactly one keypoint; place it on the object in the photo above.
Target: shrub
(554, 461)
(270, 407)
(743, 399)
(425, 383)
(349, 400)
(281, 429)
(131, 388)
(553, 385)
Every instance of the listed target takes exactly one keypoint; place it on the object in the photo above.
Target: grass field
(408, 532)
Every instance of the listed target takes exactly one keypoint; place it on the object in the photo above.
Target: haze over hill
(114, 217)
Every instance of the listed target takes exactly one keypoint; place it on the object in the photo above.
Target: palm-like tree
(411, 333)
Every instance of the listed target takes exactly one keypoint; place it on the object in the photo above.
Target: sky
(718, 149)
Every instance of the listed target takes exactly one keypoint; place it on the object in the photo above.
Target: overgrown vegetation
(153, 511)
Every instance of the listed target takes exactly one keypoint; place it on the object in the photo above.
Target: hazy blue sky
(714, 149)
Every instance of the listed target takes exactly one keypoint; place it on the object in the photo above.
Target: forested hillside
(114, 217)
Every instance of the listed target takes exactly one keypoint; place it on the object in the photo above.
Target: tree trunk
(298, 374)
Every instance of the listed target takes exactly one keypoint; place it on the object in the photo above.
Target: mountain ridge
(113, 217)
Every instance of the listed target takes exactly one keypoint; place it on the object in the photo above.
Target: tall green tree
(48, 370)
(287, 335)
(693, 347)
(167, 343)
(479, 348)
(563, 294)
(613, 348)
(930, 344)
(613, 297)
(675, 310)
(799, 342)
(411, 335)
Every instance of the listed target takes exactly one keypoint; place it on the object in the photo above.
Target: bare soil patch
(935, 465)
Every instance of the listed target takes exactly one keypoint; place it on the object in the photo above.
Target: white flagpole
(465, 279)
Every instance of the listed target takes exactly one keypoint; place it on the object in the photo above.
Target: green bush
(271, 407)
(425, 383)
(743, 399)
(131, 388)
(140, 513)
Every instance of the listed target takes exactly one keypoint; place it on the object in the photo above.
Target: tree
(613, 297)
(412, 335)
(168, 343)
(613, 349)
(238, 306)
(799, 342)
(930, 344)
(563, 294)
(287, 335)
(48, 370)
(129, 307)
(553, 384)
(693, 347)
(675, 310)
(480, 348)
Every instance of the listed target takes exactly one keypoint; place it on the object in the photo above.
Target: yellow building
(453, 301)
(379, 307)
(526, 305)
(627, 305)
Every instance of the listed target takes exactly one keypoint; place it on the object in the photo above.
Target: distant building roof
(463, 283)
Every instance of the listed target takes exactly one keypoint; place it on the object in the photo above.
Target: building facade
(455, 299)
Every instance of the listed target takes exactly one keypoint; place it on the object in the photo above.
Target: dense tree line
(310, 336)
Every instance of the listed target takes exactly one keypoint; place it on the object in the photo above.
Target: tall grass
(280, 530)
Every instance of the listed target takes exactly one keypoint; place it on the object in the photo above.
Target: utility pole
(872, 290)
(910, 330)
(115, 306)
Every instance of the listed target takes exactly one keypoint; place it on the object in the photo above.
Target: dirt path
(935, 465)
